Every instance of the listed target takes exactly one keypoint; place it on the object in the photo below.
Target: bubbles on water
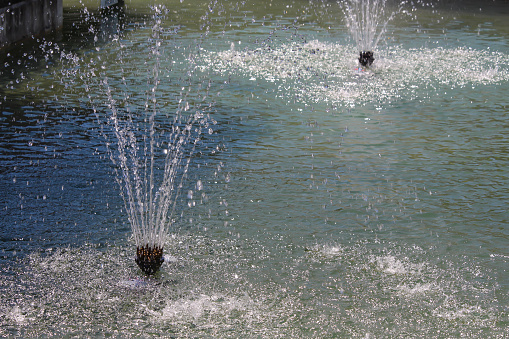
(405, 290)
(136, 283)
(420, 289)
(215, 285)
(205, 310)
(392, 265)
(16, 315)
(317, 71)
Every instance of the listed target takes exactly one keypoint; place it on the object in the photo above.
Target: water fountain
(152, 152)
(346, 204)
(367, 22)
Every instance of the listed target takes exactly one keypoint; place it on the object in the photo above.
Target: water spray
(151, 149)
(367, 22)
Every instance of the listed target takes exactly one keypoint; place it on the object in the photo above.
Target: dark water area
(51, 161)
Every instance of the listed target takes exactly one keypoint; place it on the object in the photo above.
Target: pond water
(328, 201)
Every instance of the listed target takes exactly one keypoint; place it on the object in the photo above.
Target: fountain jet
(152, 153)
(367, 22)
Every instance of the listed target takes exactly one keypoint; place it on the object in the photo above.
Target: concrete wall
(22, 19)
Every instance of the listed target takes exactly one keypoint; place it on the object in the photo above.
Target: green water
(334, 203)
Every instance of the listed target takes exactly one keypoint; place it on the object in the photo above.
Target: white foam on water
(459, 313)
(406, 282)
(415, 290)
(392, 265)
(170, 259)
(499, 256)
(134, 283)
(317, 71)
(16, 315)
(330, 250)
(204, 309)
(326, 251)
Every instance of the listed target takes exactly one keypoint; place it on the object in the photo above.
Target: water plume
(367, 22)
(151, 153)
(151, 164)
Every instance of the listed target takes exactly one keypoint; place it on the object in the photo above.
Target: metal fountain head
(149, 259)
(366, 58)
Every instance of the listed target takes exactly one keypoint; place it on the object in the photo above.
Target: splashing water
(152, 157)
(361, 204)
(318, 71)
(367, 22)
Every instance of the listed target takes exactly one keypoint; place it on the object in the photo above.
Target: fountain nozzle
(149, 259)
(366, 58)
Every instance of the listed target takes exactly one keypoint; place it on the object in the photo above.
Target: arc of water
(150, 191)
(150, 208)
(367, 21)
(129, 190)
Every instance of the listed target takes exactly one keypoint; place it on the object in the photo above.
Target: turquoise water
(333, 203)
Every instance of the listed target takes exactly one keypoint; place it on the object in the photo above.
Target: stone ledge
(25, 18)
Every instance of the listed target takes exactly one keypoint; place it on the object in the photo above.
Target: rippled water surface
(323, 201)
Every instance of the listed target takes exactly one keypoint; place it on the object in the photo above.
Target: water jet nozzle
(149, 259)
(366, 58)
